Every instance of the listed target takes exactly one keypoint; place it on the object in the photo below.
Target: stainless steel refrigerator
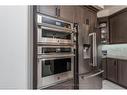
(89, 63)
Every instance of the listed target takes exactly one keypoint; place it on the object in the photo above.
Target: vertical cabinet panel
(79, 14)
(114, 30)
(66, 12)
(118, 27)
(116, 71)
(112, 69)
(48, 10)
(104, 67)
(122, 72)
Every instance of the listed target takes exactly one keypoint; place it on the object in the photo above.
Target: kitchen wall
(116, 50)
(14, 47)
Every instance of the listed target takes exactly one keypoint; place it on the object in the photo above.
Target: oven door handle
(93, 51)
(52, 58)
(55, 28)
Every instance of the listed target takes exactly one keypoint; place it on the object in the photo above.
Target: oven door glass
(55, 50)
(55, 66)
(55, 34)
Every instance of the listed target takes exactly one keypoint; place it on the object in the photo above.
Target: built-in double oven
(55, 50)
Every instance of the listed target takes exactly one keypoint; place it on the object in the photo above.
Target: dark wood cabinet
(115, 70)
(48, 10)
(118, 27)
(79, 13)
(71, 13)
(112, 69)
(62, 12)
(104, 67)
(67, 12)
(122, 72)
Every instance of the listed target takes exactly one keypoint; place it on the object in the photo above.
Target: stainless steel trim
(90, 75)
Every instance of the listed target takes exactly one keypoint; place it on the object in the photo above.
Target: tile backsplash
(116, 50)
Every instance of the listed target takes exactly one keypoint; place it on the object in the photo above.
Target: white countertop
(115, 56)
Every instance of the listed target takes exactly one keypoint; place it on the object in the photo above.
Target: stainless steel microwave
(54, 31)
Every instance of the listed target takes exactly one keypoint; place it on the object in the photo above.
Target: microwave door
(93, 49)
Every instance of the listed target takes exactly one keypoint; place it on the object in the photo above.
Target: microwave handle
(93, 51)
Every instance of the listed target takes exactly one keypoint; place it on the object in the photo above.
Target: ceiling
(110, 9)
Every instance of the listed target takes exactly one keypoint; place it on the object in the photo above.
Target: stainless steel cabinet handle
(92, 75)
(50, 27)
(58, 14)
(56, 11)
(57, 29)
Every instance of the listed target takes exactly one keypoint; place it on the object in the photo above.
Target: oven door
(54, 36)
(54, 70)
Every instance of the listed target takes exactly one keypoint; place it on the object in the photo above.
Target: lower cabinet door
(112, 69)
(122, 72)
(104, 67)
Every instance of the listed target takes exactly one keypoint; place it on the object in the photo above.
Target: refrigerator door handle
(93, 51)
(85, 76)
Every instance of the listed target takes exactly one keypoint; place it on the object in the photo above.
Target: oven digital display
(53, 21)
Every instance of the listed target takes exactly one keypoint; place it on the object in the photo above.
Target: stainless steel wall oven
(55, 50)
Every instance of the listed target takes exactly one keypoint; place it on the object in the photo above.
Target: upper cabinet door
(66, 13)
(112, 69)
(79, 14)
(48, 10)
(118, 27)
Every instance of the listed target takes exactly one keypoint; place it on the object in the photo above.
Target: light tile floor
(109, 85)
